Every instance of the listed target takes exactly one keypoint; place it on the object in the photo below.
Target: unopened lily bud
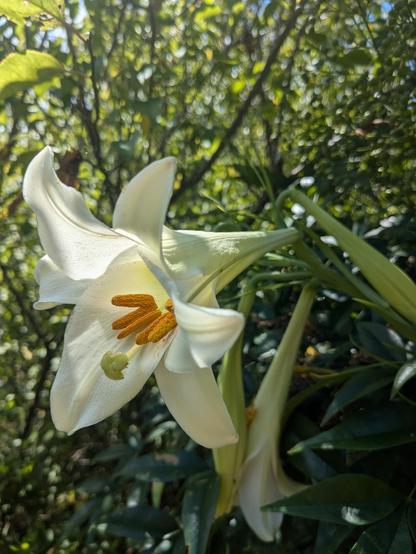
(386, 277)
(262, 478)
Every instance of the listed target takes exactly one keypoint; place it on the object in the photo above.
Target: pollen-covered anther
(147, 318)
(138, 323)
(165, 323)
(169, 305)
(143, 301)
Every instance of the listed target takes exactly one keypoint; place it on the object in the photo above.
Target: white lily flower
(262, 479)
(144, 300)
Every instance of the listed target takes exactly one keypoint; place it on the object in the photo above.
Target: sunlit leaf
(20, 71)
(18, 10)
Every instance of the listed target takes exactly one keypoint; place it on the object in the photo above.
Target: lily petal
(222, 254)
(195, 402)
(141, 207)
(81, 394)
(179, 358)
(55, 287)
(209, 332)
(78, 243)
(259, 487)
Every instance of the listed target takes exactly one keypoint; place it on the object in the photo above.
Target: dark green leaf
(330, 537)
(358, 386)
(313, 466)
(151, 108)
(95, 484)
(163, 467)
(198, 510)
(368, 430)
(136, 521)
(349, 498)
(381, 341)
(357, 56)
(405, 373)
(389, 536)
(115, 452)
(411, 518)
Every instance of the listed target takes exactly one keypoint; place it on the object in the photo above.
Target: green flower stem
(285, 261)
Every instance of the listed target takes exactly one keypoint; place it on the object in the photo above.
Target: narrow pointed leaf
(405, 373)
(354, 499)
(136, 521)
(411, 519)
(389, 536)
(166, 467)
(357, 387)
(198, 510)
(367, 430)
(330, 537)
(381, 341)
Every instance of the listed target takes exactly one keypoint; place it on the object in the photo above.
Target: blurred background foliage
(242, 93)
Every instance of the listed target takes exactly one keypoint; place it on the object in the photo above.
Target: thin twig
(245, 106)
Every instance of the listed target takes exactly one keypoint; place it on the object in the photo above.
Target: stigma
(147, 321)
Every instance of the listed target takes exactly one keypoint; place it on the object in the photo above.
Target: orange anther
(145, 301)
(139, 324)
(169, 305)
(250, 414)
(158, 329)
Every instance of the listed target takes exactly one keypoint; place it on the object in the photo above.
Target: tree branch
(245, 106)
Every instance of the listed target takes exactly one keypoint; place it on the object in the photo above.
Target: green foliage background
(241, 92)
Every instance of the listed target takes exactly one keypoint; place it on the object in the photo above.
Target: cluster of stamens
(147, 321)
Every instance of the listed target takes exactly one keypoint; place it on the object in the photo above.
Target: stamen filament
(133, 351)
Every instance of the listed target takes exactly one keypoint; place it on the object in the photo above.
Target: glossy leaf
(381, 341)
(367, 430)
(389, 536)
(405, 373)
(115, 452)
(136, 521)
(358, 386)
(411, 519)
(169, 466)
(330, 537)
(198, 510)
(354, 499)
